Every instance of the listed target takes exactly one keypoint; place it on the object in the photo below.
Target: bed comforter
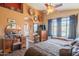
(50, 48)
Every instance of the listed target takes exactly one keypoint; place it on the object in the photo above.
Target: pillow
(49, 37)
(65, 41)
(61, 42)
(61, 38)
(77, 39)
(73, 43)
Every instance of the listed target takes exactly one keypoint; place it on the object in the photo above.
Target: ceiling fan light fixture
(49, 8)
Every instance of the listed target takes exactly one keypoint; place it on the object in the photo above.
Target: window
(35, 27)
(54, 28)
(65, 27)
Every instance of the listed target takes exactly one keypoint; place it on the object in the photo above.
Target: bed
(51, 47)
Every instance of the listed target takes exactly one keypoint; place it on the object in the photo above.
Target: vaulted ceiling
(65, 6)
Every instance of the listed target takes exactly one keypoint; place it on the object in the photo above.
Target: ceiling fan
(50, 7)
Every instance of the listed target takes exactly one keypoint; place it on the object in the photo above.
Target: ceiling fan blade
(58, 5)
(46, 4)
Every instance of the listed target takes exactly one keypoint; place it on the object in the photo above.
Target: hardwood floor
(20, 52)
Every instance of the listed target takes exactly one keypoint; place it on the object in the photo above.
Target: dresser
(43, 35)
(15, 40)
(10, 45)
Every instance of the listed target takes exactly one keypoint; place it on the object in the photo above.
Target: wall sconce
(31, 12)
(26, 18)
(35, 18)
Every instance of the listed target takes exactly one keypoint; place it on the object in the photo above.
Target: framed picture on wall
(11, 23)
(31, 12)
(18, 7)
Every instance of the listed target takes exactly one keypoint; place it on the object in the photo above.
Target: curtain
(58, 27)
(73, 26)
(49, 27)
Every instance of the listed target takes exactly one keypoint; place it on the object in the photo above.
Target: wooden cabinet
(7, 45)
(14, 41)
(23, 42)
(43, 35)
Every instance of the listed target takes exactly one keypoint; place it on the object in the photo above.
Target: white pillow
(49, 37)
(77, 39)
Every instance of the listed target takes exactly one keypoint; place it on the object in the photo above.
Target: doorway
(26, 33)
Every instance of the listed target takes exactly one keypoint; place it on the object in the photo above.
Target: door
(26, 33)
